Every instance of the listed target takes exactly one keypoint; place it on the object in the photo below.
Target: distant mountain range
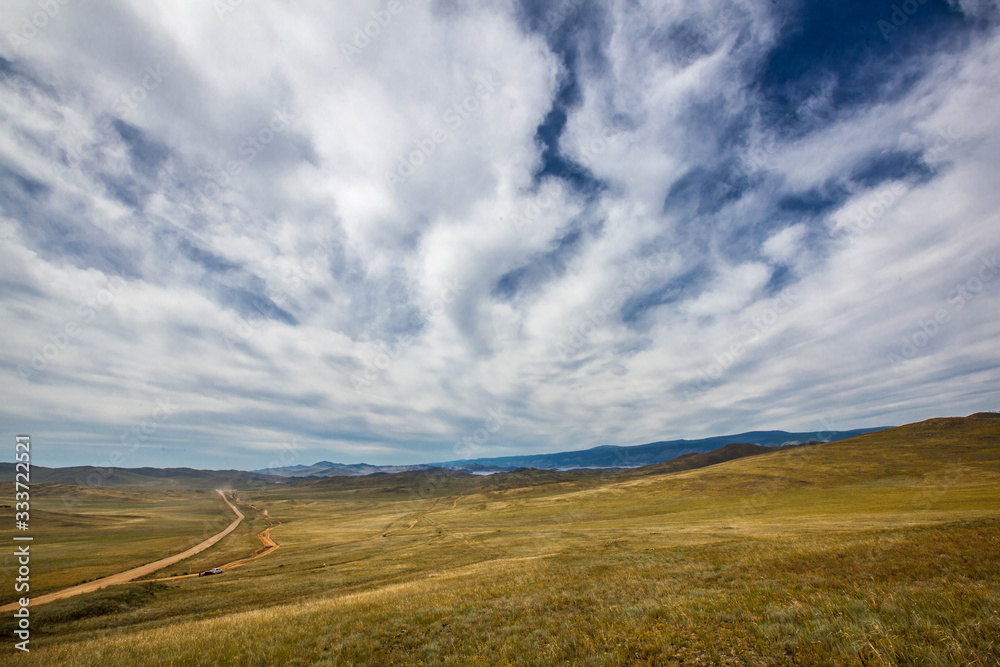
(327, 469)
(605, 456)
(673, 454)
(153, 478)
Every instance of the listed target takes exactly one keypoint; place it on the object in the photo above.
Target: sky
(246, 234)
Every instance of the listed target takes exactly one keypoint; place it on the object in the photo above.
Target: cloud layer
(358, 230)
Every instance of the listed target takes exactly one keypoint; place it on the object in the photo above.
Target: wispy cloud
(363, 225)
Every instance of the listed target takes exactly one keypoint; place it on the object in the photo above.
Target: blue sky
(392, 232)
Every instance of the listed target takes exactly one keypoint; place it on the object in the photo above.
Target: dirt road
(268, 545)
(134, 573)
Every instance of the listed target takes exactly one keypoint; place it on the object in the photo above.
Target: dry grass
(106, 531)
(882, 550)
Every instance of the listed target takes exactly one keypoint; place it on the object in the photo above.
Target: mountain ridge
(601, 456)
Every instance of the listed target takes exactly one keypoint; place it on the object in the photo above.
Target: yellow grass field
(879, 550)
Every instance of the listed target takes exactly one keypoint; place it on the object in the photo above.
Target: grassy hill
(736, 450)
(883, 549)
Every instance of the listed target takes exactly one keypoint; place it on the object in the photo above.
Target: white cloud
(784, 245)
(455, 289)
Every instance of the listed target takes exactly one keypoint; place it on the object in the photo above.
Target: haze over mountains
(605, 456)
(150, 478)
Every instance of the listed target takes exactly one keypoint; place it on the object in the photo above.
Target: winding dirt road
(267, 546)
(134, 573)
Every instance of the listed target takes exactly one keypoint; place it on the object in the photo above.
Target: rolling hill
(881, 549)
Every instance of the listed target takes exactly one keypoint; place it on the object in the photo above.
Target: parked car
(214, 570)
